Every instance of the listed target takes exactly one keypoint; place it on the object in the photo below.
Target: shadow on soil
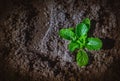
(92, 29)
(108, 43)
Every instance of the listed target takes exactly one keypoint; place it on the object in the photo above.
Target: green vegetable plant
(80, 41)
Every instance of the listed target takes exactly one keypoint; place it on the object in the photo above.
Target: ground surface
(31, 49)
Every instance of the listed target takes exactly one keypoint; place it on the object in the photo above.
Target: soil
(31, 49)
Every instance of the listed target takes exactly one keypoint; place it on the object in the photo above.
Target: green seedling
(80, 41)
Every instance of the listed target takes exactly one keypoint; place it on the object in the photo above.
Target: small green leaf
(94, 44)
(72, 46)
(87, 22)
(81, 29)
(82, 58)
(67, 34)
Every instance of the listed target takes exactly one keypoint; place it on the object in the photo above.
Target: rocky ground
(31, 49)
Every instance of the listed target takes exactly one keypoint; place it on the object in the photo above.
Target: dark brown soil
(31, 49)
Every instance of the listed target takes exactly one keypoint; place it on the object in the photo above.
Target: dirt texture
(31, 49)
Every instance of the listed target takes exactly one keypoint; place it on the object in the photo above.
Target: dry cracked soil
(31, 49)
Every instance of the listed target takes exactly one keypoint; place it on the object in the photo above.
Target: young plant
(80, 41)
